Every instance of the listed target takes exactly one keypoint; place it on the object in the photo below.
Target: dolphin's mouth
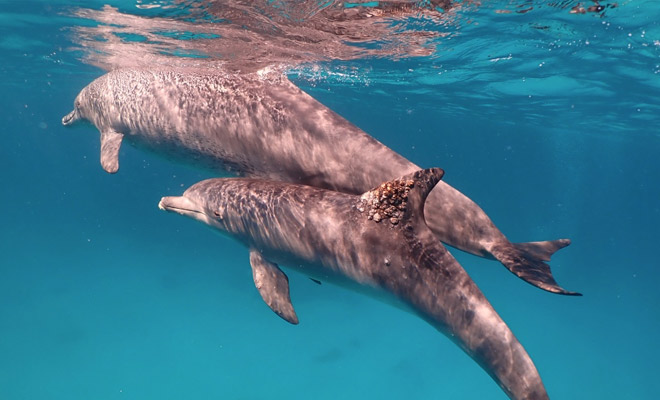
(180, 205)
(70, 118)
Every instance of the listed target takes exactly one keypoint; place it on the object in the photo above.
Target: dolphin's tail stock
(465, 316)
(440, 291)
(453, 304)
(526, 260)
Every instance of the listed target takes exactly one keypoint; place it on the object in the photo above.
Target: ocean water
(548, 119)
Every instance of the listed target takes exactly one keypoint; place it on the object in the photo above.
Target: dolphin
(377, 243)
(263, 126)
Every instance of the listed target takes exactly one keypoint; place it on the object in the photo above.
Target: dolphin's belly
(335, 275)
(188, 148)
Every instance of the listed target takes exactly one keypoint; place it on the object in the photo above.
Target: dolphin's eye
(217, 214)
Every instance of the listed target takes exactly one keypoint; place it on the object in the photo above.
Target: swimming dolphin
(266, 127)
(376, 243)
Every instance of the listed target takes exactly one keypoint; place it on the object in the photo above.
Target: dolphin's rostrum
(266, 127)
(377, 243)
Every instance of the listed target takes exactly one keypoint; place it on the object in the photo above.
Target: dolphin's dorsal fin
(110, 144)
(400, 199)
(273, 286)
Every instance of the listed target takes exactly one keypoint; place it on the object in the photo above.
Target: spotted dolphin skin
(377, 243)
(266, 127)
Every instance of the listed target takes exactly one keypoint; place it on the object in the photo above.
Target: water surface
(546, 118)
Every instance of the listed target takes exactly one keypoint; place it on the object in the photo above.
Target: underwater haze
(545, 113)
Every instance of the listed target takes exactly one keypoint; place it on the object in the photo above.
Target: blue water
(549, 120)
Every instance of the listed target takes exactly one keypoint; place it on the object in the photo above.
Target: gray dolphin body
(269, 128)
(377, 243)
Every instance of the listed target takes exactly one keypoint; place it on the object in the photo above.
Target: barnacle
(388, 201)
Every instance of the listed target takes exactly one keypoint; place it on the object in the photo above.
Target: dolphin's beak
(181, 205)
(70, 118)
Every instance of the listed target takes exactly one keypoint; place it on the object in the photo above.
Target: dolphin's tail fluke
(526, 260)
(542, 250)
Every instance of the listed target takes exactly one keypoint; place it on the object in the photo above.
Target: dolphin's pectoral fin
(529, 268)
(273, 286)
(110, 144)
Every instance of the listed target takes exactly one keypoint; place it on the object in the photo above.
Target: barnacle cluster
(388, 201)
